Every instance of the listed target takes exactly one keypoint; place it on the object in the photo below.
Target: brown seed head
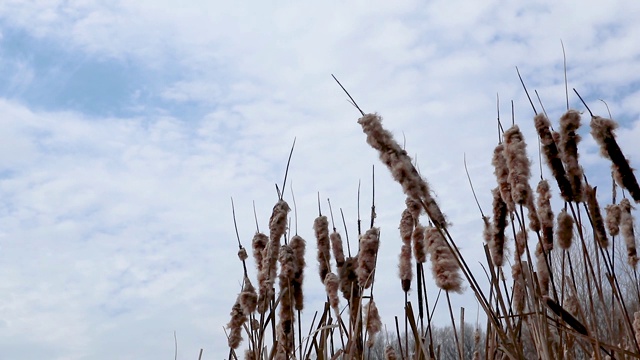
(565, 229)
(369, 243)
(569, 139)
(446, 270)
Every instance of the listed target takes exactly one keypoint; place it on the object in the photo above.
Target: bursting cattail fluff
(564, 232)
(248, 297)
(238, 318)
(518, 286)
(242, 254)
(268, 273)
(515, 152)
(259, 243)
(521, 243)
(336, 247)
(404, 267)
(532, 214)
(626, 227)
(419, 247)
(446, 270)
(321, 228)
(400, 165)
(613, 219)
(596, 217)
(602, 131)
(545, 213)
(569, 139)
(349, 279)
(501, 170)
(373, 324)
(331, 283)
(552, 155)
(369, 243)
(298, 246)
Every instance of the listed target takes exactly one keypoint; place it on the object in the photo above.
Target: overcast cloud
(126, 127)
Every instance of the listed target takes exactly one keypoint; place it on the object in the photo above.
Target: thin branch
(471, 184)
(585, 104)
(286, 172)
(526, 91)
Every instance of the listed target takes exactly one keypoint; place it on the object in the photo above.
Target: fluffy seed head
(321, 228)
(419, 248)
(602, 131)
(626, 225)
(515, 152)
(404, 267)
(369, 243)
(298, 246)
(543, 271)
(552, 155)
(248, 297)
(336, 246)
(443, 263)
(373, 323)
(565, 229)
(569, 139)
(238, 318)
(613, 219)
(496, 245)
(331, 283)
(545, 213)
(259, 243)
(501, 170)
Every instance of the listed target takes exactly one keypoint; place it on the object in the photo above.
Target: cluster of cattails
(532, 301)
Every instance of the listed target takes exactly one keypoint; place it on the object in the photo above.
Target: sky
(127, 126)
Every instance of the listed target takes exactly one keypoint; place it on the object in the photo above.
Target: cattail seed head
(405, 268)
(636, 325)
(543, 271)
(569, 139)
(238, 318)
(331, 283)
(565, 229)
(349, 279)
(446, 270)
(242, 254)
(373, 324)
(369, 243)
(501, 171)
(518, 286)
(545, 213)
(613, 219)
(496, 245)
(552, 155)
(336, 246)
(596, 217)
(400, 165)
(298, 246)
(321, 228)
(521, 243)
(248, 297)
(390, 353)
(515, 152)
(419, 247)
(602, 131)
(259, 243)
(626, 227)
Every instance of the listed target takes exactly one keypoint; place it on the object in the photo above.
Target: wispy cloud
(127, 128)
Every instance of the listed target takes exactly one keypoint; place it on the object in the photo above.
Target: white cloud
(118, 230)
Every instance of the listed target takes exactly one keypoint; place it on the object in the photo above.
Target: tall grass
(570, 293)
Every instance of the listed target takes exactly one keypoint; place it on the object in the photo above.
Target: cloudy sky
(127, 126)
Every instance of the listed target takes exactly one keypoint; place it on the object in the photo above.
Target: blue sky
(127, 127)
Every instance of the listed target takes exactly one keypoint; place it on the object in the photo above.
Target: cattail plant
(496, 245)
(268, 273)
(552, 155)
(390, 353)
(419, 246)
(373, 323)
(613, 219)
(602, 131)
(405, 268)
(259, 243)
(501, 171)
(298, 246)
(400, 165)
(626, 226)
(515, 151)
(238, 318)
(446, 271)
(596, 217)
(369, 243)
(321, 228)
(569, 139)
(545, 213)
(332, 283)
(564, 232)
(287, 273)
